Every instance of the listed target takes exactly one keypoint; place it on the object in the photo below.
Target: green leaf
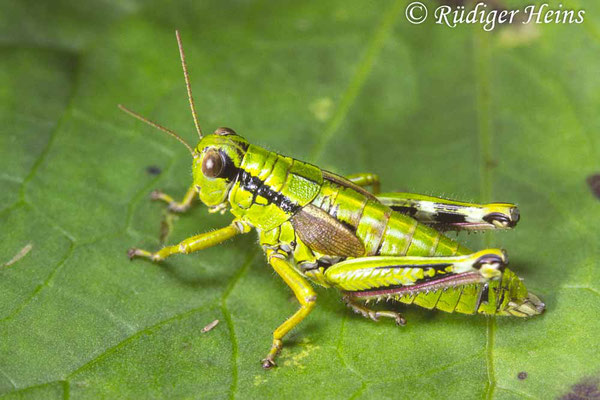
(510, 115)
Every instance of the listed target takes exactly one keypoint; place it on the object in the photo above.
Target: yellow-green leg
(366, 179)
(304, 293)
(373, 314)
(176, 206)
(193, 243)
(363, 273)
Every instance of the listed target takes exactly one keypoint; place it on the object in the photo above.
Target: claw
(131, 253)
(155, 194)
(267, 363)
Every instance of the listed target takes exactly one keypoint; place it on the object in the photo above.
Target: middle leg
(366, 179)
(304, 293)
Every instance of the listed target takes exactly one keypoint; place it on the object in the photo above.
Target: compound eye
(224, 131)
(212, 164)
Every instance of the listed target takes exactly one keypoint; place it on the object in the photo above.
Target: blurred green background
(510, 115)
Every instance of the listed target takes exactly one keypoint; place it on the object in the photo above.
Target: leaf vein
(61, 120)
(138, 334)
(227, 316)
(42, 285)
(373, 49)
(485, 133)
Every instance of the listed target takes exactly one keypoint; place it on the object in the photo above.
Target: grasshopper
(317, 226)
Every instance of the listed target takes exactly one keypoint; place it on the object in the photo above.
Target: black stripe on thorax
(257, 187)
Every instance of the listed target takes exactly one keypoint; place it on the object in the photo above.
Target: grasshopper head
(217, 160)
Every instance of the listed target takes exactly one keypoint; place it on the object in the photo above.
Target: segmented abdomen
(388, 233)
(382, 230)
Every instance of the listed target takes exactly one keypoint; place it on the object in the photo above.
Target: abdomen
(389, 233)
(382, 230)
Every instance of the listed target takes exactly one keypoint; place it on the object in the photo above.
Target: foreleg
(193, 243)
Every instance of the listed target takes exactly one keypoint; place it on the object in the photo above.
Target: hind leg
(366, 179)
(451, 215)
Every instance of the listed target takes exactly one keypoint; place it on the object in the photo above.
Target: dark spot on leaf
(153, 170)
(593, 182)
(587, 389)
(491, 163)
(522, 375)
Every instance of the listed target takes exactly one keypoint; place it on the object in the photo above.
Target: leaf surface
(510, 115)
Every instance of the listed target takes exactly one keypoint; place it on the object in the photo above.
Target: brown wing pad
(325, 234)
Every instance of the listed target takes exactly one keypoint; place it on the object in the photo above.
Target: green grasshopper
(314, 225)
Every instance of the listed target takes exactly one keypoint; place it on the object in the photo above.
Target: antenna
(187, 84)
(157, 126)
